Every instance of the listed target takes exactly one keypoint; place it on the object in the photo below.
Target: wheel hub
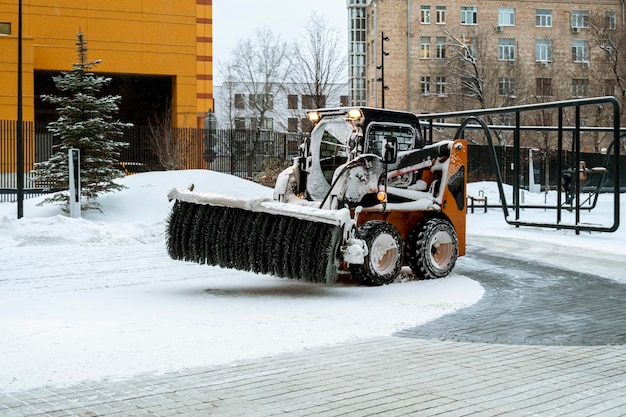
(441, 249)
(383, 254)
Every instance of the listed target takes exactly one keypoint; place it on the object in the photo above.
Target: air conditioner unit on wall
(575, 30)
(544, 64)
(498, 28)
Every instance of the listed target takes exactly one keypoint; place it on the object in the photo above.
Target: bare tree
(319, 62)
(229, 95)
(609, 38)
(479, 79)
(173, 147)
(261, 65)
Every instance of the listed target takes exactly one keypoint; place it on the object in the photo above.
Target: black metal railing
(244, 153)
(567, 161)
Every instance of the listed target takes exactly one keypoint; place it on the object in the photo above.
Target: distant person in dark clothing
(567, 185)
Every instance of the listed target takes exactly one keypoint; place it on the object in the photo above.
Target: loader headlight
(313, 116)
(355, 114)
(381, 196)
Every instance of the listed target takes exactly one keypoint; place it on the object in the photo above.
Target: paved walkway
(541, 305)
(543, 344)
(389, 376)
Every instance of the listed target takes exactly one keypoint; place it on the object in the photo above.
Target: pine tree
(86, 122)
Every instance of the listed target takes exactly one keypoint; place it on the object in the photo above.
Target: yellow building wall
(204, 57)
(150, 37)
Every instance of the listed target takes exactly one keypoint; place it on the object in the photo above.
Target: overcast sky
(238, 19)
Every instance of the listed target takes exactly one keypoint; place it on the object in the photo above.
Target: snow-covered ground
(99, 297)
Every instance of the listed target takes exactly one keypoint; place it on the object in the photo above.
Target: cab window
(376, 133)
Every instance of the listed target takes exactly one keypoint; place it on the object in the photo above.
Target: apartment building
(283, 111)
(419, 56)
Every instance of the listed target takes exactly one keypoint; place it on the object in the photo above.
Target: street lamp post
(381, 67)
(20, 127)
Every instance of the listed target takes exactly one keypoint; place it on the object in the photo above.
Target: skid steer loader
(366, 195)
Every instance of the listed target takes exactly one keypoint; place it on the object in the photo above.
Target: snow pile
(99, 297)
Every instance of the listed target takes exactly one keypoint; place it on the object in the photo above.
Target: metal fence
(243, 153)
(544, 166)
(8, 158)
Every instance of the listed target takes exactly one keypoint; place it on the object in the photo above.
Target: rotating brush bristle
(260, 242)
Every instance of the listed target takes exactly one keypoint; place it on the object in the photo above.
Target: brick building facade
(524, 51)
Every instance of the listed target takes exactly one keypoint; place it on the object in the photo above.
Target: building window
(425, 47)
(543, 87)
(343, 101)
(425, 86)
(543, 18)
(425, 14)
(308, 102)
(506, 16)
(240, 101)
(261, 101)
(358, 64)
(580, 19)
(610, 20)
(470, 49)
(307, 125)
(441, 15)
(240, 123)
(441, 47)
(506, 86)
(268, 124)
(469, 86)
(292, 124)
(580, 51)
(292, 102)
(506, 49)
(609, 87)
(469, 15)
(357, 47)
(608, 45)
(254, 123)
(440, 85)
(5, 28)
(543, 50)
(580, 87)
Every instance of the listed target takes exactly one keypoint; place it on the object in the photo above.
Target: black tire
(432, 249)
(384, 258)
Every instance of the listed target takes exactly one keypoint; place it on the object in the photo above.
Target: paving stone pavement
(530, 303)
(388, 376)
(552, 345)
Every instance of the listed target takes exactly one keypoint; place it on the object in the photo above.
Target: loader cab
(328, 149)
(341, 134)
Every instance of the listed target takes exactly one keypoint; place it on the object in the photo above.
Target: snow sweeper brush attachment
(261, 236)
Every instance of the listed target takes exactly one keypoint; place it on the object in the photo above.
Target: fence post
(232, 152)
(74, 166)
